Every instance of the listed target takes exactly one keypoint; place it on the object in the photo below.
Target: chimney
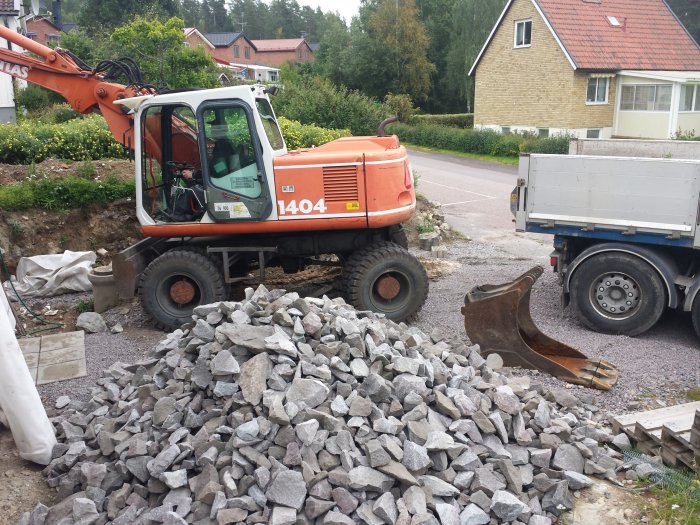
(303, 34)
(56, 14)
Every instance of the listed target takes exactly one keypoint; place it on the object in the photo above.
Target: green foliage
(485, 142)
(32, 98)
(79, 139)
(426, 226)
(62, 194)
(315, 100)
(297, 135)
(164, 59)
(401, 106)
(685, 135)
(16, 230)
(456, 120)
(85, 306)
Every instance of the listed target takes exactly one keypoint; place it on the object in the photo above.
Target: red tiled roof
(278, 44)
(8, 6)
(650, 37)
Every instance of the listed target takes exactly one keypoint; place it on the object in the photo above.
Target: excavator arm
(84, 89)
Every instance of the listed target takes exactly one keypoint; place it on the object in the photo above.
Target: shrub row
(484, 142)
(457, 120)
(62, 194)
(80, 139)
(297, 135)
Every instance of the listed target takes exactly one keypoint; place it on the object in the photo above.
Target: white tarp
(19, 399)
(49, 275)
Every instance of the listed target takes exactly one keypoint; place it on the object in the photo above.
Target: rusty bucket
(497, 318)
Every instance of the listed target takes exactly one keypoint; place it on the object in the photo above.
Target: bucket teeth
(497, 318)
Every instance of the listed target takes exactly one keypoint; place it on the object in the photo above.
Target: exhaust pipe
(386, 122)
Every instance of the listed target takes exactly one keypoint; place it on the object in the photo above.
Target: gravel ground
(656, 369)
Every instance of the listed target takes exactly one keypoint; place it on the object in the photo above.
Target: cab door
(232, 163)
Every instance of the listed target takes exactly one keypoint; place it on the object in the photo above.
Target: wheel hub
(182, 291)
(616, 293)
(388, 287)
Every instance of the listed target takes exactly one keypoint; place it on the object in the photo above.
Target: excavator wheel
(388, 279)
(175, 283)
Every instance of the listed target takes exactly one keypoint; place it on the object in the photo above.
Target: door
(232, 163)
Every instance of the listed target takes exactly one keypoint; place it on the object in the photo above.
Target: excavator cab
(206, 160)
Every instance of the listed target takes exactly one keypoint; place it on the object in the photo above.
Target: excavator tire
(173, 284)
(386, 278)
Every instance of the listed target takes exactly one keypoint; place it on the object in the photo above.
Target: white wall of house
(579, 133)
(7, 92)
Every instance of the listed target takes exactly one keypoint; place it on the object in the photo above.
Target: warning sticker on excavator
(352, 206)
(236, 210)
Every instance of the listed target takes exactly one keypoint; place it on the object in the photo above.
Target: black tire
(695, 315)
(617, 293)
(196, 270)
(393, 265)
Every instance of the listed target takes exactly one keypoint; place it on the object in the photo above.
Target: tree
(389, 45)
(97, 17)
(159, 49)
(472, 21)
(688, 11)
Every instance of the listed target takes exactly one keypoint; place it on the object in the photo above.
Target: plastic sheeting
(19, 399)
(49, 275)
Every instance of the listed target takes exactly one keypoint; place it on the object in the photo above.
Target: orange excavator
(218, 194)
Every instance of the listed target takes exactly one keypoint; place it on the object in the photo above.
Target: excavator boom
(84, 89)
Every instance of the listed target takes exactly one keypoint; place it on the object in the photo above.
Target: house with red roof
(589, 68)
(279, 51)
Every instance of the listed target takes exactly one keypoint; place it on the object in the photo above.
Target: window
(690, 98)
(230, 153)
(31, 34)
(593, 134)
(273, 76)
(597, 92)
(272, 130)
(523, 33)
(247, 52)
(236, 52)
(646, 97)
(505, 130)
(543, 132)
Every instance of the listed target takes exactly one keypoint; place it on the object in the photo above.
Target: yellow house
(589, 68)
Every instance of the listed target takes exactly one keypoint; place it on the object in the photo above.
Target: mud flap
(497, 318)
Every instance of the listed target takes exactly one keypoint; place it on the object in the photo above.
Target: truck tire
(695, 315)
(617, 293)
(388, 279)
(173, 284)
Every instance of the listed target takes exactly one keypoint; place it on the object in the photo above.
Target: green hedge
(79, 139)
(484, 142)
(297, 135)
(62, 194)
(456, 120)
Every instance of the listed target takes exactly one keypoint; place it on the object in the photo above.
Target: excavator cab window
(171, 169)
(234, 169)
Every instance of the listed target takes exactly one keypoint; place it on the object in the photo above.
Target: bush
(315, 100)
(62, 194)
(78, 139)
(32, 98)
(297, 135)
(457, 120)
(485, 142)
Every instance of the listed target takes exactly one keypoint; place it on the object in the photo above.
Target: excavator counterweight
(497, 318)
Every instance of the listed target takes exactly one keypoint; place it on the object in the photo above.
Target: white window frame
(607, 91)
(515, 33)
(656, 94)
(695, 102)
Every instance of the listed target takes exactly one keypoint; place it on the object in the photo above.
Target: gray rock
(473, 515)
(307, 392)
(307, 431)
(415, 457)
(336, 518)
(385, 508)
(438, 487)
(494, 361)
(448, 514)
(346, 502)
(414, 499)
(577, 481)
(506, 506)
(283, 516)
(253, 377)
(365, 478)
(288, 489)
(91, 322)
(568, 457)
(224, 364)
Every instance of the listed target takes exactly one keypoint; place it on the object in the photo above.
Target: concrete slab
(61, 371)
(62, 355)
(32, 360)
(30, 345)
(59, 341)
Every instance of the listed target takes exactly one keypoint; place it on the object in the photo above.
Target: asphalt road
(475, 197)
(659, 366)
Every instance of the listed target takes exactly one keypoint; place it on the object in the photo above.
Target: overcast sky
(346, 8)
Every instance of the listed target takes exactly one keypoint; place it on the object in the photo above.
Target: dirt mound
(56, 169)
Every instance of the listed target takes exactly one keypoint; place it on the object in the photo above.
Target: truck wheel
(695, 314)
(616, 293)
(386, 278)
(177, 281)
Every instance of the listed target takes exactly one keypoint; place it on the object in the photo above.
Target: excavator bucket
(497, 318)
